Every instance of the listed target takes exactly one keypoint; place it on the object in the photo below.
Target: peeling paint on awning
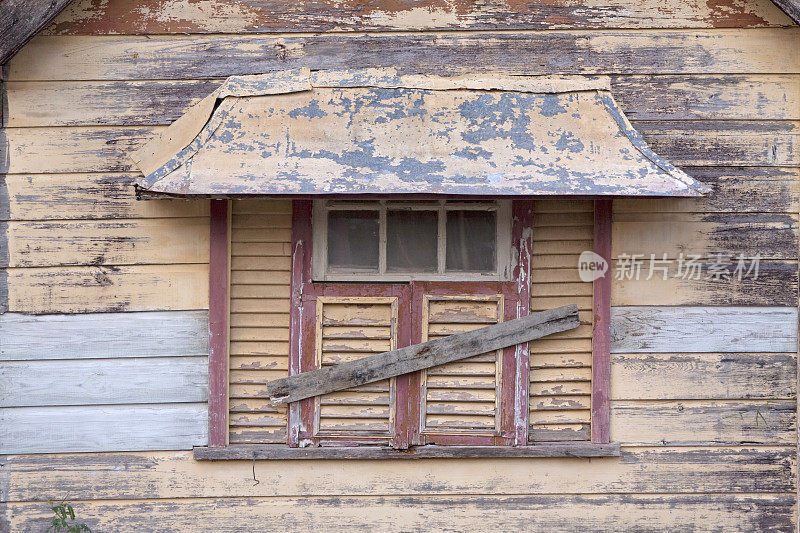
(374, 132)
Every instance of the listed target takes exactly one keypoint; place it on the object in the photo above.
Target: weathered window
(402, 241)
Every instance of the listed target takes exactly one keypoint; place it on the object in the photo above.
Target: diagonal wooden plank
(20, 20)
(422, 356)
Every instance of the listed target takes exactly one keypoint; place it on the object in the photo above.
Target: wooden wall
(104, 292)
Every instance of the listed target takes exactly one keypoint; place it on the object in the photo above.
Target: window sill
(251, 452)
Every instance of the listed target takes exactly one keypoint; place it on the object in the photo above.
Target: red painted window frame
(301, 306)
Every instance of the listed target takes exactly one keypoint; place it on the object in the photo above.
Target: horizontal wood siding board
(152, 57)
(545, 513)
(704, 376)
(160, 102)
(88, 196)
(103, 381)
(686, 470)
(252, 16)
(703, 329)
(82, 149)
(103, 335)
(108, 289)
(97, 428)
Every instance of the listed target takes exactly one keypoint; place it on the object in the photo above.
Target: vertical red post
(301, 277)
(601, 335)
(218, 325)
(522, 242)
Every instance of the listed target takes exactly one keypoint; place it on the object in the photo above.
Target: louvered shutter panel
(349, 328)
(463, 396)
(561, 364)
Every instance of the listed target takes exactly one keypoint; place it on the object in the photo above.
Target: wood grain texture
(422, 356)
(103, 335)
(160, 102)
(218, 321)
(87, 196)
(703, 422)
(96, 428)
(84, 149)
(684, 470)
(550, 513)
(20, 20)
(119, 242)
(246, 452)
(703, 329)
(686, 376)
(601, 326)
(103, 381)
(102, 289)
(776, 285)
(732, 51)
(790, 7)
(242, 16)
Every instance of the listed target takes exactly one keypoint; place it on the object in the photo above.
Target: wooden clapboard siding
(87, 196)
(259, 316)
(92, 428)
(103, 381)
(560, 397)
(160, 102)
(103, 335)
(83, 149)
(703, 329)
(411, 513)
(92, 289)
(242, 16)
(733, 51)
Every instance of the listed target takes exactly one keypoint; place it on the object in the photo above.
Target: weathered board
(422, 356)
(160, 102)
(546, 513)
(745, 469)
(104, 335)
(127, 380)
(20, 20)
(92, 428)
(244, 16)
(152, 57)
(733, 376)
(703, 329)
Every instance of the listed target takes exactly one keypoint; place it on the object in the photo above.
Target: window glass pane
(353, 240)
(471, 237)
(411, 241)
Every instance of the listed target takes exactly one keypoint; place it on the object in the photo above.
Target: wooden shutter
(463, 397)
(259, 316)
(561, 373)
(349, 328)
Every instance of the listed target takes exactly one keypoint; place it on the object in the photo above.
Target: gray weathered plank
(703, 329)
(103, 335)
(97, 428)
(551, 513)
(20, 20)
(422, 356)
(790, 7)
(282, 452)
(578, 52)
(103, 381)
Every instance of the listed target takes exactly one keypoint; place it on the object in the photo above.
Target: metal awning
(374, 132)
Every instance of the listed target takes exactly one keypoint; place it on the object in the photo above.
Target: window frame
(319, 220)
(302, 242)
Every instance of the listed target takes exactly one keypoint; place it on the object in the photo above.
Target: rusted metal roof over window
(374, 132)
